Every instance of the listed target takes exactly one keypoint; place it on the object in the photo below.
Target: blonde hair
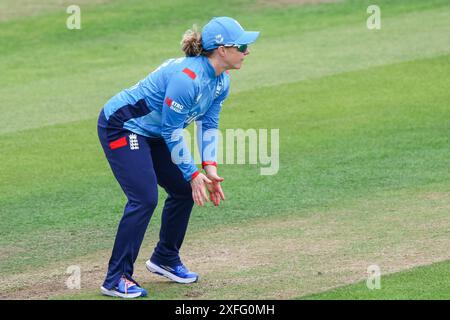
(191, 44)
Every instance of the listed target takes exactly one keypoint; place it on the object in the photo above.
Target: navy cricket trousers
(139, 164)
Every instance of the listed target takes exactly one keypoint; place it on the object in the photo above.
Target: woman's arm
(178, 100)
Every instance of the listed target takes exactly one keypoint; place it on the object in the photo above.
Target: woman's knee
(149, 202)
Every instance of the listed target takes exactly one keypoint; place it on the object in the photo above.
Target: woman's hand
(215, 190)
(198, 189)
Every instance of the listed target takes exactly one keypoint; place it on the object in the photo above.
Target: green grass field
(364, 149)
(430, 282)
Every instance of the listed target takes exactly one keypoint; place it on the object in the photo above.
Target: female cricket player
(140, 130)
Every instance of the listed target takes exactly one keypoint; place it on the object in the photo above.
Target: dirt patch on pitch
(277, 258)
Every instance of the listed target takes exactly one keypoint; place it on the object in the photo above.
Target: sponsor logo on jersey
(175, 106)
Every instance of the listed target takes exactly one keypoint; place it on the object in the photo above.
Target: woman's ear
(221, 51)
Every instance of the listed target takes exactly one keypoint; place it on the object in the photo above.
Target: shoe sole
(162, 272)
(113, 293)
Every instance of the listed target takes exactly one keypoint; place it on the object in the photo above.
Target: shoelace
(183, 269)
(128, 284)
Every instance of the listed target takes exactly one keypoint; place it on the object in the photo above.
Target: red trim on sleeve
(209, 163)
(195, 174)
(190, 73)
(122, 142)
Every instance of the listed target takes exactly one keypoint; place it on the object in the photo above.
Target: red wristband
(195, 174)
(209, 163)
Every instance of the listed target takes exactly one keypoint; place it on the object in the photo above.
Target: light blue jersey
(178, 92)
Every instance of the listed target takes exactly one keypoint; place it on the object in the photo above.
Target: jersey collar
(210, 71)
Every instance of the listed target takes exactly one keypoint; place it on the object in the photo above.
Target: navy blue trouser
(139, 164)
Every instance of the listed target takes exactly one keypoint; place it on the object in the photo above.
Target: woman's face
(234, 58)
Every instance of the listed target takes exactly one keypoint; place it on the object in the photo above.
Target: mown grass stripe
(93, 69)
(419, 283)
